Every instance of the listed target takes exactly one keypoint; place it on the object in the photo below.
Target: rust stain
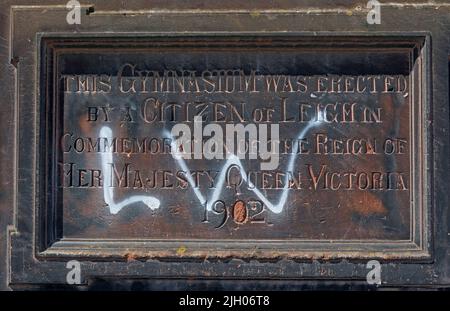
(239, 212)
(370, 205)
(131, 257)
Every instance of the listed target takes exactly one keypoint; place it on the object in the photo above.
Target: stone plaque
(235, 145)
(267, 141)
(341, 168)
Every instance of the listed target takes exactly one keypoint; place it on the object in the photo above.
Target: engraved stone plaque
(344, 145)
(233, 140)
(233, 145)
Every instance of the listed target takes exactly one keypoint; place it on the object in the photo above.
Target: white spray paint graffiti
(234, 160)
(108, 192)
(154, 203)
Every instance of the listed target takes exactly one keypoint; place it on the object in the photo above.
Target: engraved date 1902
(240, 212)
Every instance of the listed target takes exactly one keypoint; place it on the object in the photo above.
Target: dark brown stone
(86, 172)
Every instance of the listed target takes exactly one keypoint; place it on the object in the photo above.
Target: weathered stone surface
(87, 116)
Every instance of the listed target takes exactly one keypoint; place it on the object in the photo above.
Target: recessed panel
(229, 142)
